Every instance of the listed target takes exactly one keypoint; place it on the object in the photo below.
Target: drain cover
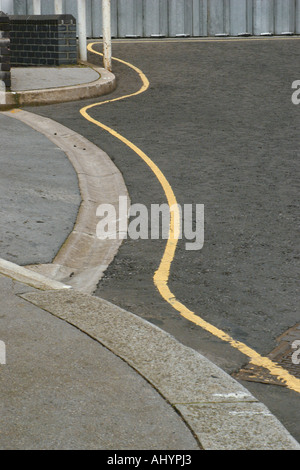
(282, 355)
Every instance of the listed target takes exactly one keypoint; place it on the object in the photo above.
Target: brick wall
(43, 40)
(4, 50)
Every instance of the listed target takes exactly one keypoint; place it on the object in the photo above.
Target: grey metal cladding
(173, 18)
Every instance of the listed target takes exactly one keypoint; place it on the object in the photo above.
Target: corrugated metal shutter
(6, 6)
(297, 16)
(241, 17)
(171, 18)
(130, 18)
(285, 14)
(156, 18)
(200, 17)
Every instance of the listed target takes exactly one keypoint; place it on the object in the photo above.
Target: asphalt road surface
(219, 122)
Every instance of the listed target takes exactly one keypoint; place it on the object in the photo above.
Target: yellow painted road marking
(161, 276)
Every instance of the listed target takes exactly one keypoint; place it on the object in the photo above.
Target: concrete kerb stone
(102, 86)
(221, 413)
(83, 258)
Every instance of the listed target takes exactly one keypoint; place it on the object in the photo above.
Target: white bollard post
(81, 6)
(58, 7)
(107, 46)
(37, 8)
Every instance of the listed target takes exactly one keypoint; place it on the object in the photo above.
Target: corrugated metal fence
(171, 18)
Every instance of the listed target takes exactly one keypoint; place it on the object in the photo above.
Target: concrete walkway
(62, 390)
(38, 190)
(81, 373)
(45, 85)
(27, 78)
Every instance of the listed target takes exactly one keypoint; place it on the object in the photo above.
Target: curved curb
(83, 258)
(104, 85)
(220, 412)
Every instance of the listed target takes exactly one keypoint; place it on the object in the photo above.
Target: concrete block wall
(5, 65)
(48, 40)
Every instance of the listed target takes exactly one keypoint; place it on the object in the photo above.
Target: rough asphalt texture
(39, 195)
(219, 122)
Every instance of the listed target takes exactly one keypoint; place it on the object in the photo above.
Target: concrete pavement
(61, 389)
(38, 189)
(81, 373)
(56, 85)
(26, 78)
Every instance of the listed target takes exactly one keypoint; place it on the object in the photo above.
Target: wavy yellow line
(161, 276)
